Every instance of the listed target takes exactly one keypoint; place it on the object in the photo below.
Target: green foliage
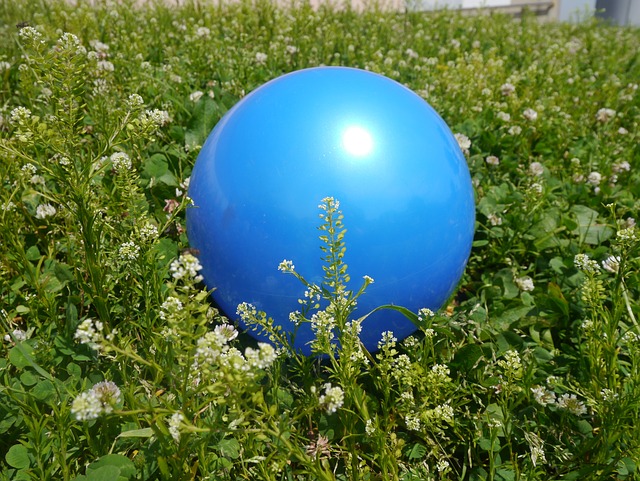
(113, 365)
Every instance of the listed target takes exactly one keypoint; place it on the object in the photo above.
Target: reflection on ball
(382, 151)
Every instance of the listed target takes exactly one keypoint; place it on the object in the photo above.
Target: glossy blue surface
(381, 150)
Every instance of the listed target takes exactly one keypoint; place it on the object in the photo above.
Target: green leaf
(229, 448)
(205, 115)
(33, 254)
(589, 230)
(104, 473)
(137, 433)
(417, 451)
(505, 474)
(19, 355)
(22, 309)
(467, 357)
(44, 391)
(18, 457)
(116, 463)
(27, 378)
(155, 166)
(508, 317)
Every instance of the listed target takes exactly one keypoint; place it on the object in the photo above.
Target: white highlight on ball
(357, 141)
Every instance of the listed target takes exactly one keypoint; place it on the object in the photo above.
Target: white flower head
(90, 332)
(175, 421)
(525, 283)
(594, 178)
(332, 399)
(86, 406)
(286, 266)
(604, 115)
(108, 394)
(611, 264)
(120, 162)
(492, 160)
(129, 251)
(543, 396)
(261, 58)
(530, 114)
(585, 264)
(507, 89)
(45, 210)
(195, 96)
(464, 142)
(571, 403)
(536, 168)
(186, 266)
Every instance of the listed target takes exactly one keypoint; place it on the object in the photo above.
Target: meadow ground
(115, 366)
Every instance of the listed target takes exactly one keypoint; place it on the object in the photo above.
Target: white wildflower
(18, 334)
(105, 66)
(261, 58)
(543, 396)
(505, 117)
(492, 160)
(20, 115)
(332, 399)
(195, 96)
(286, 266)
(585, 264)
(594, 178)
(571, 403)
(203, 32)
(611, 264)
(90, 332)
(536, 168)
(186, 266)
(464, 142)
(442, 465)
(507, 89)
(530, 114)
(622, 166)
(175, 421)
(135, 101)
(604, 115)
(120, 162)
(108, 394)
(388, 340)
(525, 283)
(86, 406)
(369, 428)
(170, 307)
(494, 219)
(412, 421)
(45, 210)
(148, 232)
(129, 251)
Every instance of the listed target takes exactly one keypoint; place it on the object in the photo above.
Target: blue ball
(377, 147)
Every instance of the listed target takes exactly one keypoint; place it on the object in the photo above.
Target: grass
(115, 366)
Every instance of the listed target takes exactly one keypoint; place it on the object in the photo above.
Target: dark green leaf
(229, 448)
(122, 464)
(104, 473)
(18, 457)
(33, 254)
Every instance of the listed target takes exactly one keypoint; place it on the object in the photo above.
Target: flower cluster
(332, 399)
(568, 402)
(102, 398)
(186, 267)
(89, 332)
(120, 162)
